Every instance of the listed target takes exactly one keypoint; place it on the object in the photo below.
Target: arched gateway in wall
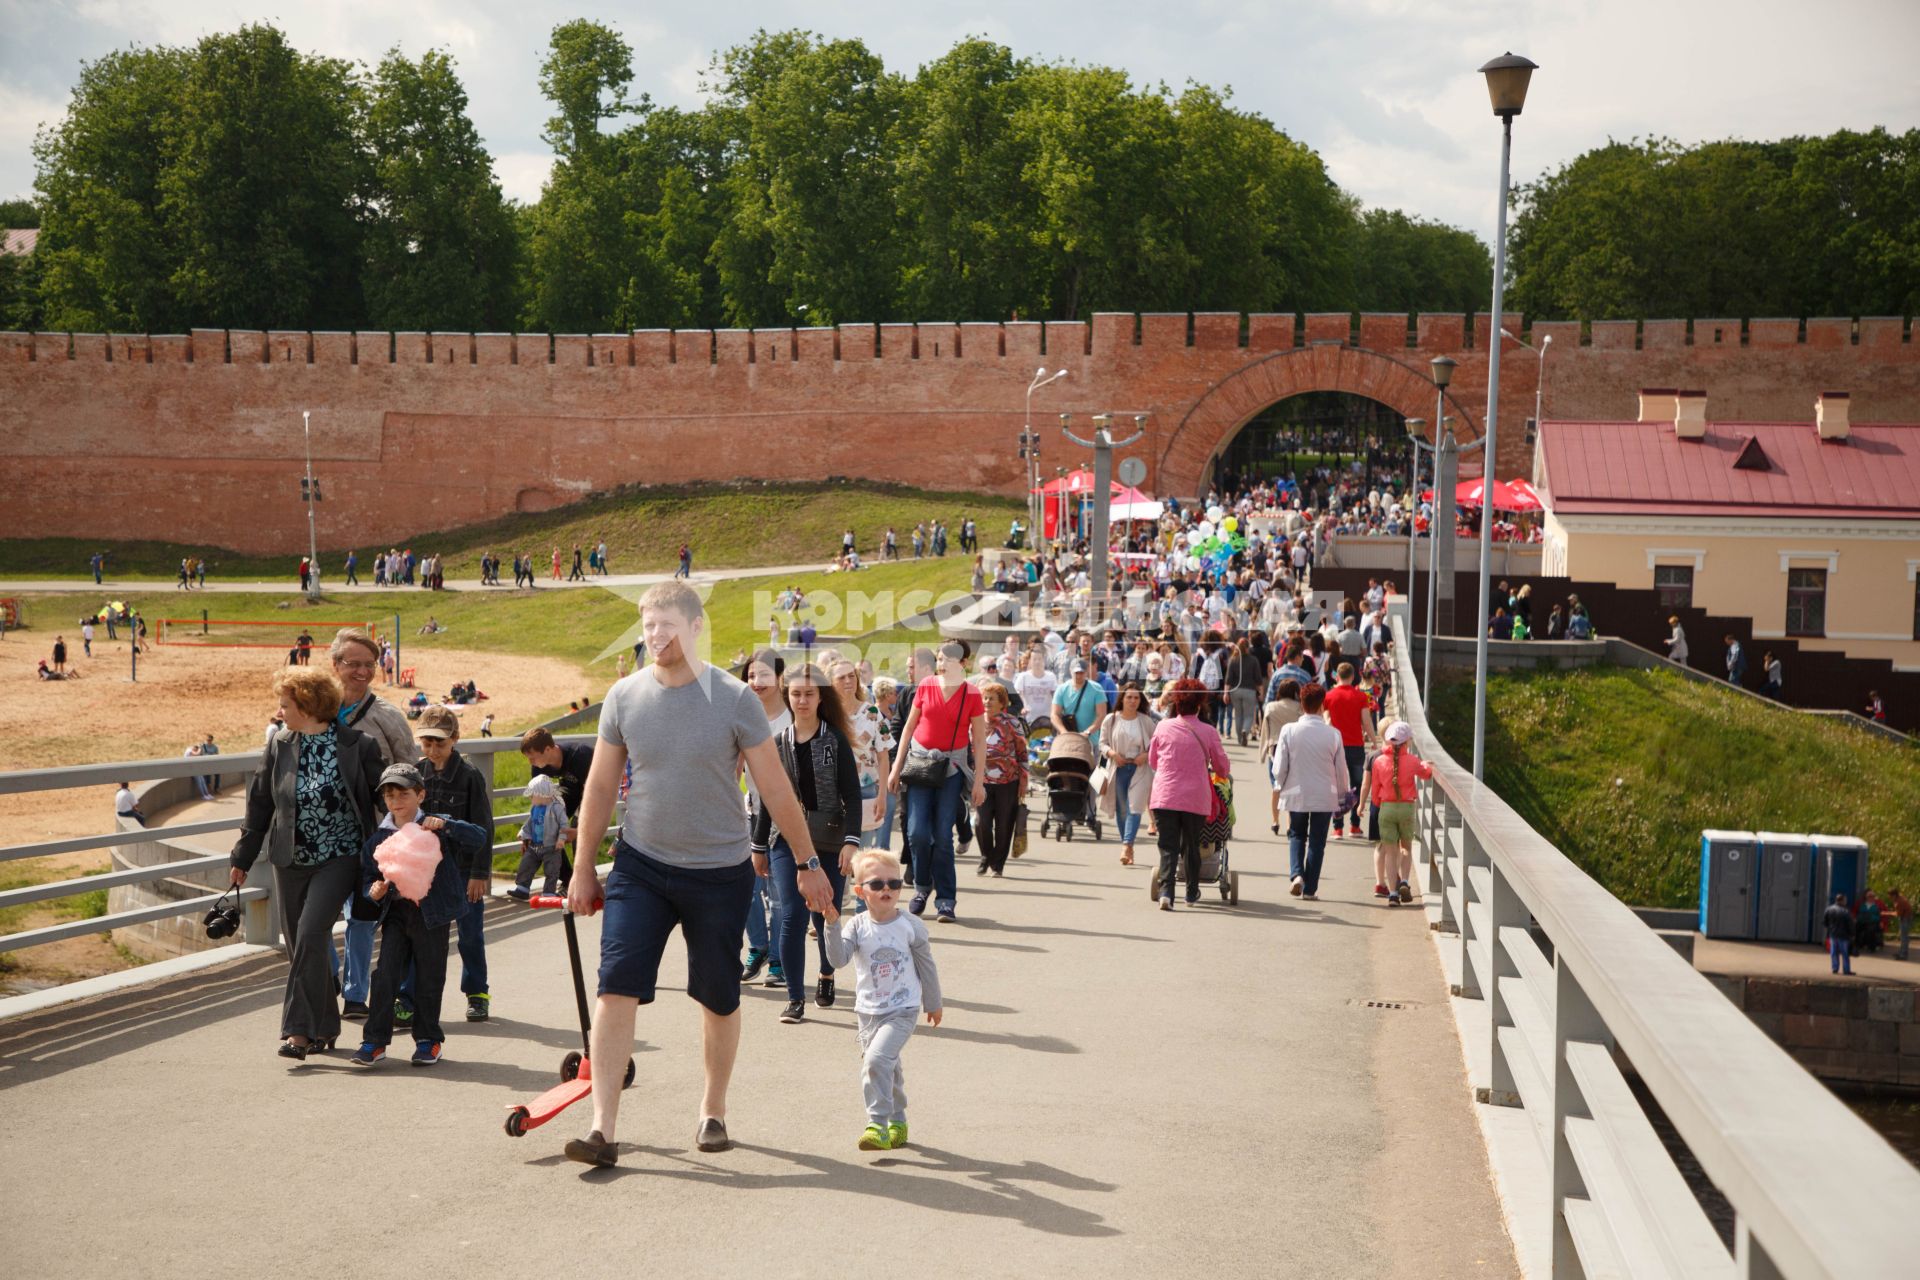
(1210, 424)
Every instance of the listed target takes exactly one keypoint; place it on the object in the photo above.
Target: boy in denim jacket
(414, 933)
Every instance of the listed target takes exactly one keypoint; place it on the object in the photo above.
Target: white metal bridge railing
(255, 897)
(1807, 1179)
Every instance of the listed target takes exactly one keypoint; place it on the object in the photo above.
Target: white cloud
(521, 174)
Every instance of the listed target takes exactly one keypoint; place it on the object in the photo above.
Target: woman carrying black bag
(817, 752)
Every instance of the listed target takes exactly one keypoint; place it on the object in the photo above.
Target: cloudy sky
(1386, 90)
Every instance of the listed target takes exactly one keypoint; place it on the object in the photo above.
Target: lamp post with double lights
(1030, 449)
(1103, 444)
(1507, 79)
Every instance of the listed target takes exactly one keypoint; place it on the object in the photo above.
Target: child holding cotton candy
(414, 870)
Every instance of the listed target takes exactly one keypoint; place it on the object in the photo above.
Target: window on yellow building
(1674, 582)
(1806, 602)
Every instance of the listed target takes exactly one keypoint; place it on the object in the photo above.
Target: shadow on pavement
(91, 1031)
(976, 922)
(952, 1183)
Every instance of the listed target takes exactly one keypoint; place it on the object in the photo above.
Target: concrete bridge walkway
(1116, 1092)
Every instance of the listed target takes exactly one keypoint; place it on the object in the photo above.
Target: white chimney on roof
(1830, 415)
(1690, 415)
(1656, 404)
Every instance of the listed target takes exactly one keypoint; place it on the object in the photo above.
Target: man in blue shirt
(1079, 705)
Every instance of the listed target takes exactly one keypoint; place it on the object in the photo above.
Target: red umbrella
(1508, 495)
(1525, 496)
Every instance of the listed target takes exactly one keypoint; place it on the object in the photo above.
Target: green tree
(19, 213)
(1794, 227)
(1403, 263)
(265, 185)
(578, 241)
(105, 254)
(440, 245)
(810, 224)
(967, 218)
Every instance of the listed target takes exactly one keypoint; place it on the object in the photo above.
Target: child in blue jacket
(414, 933)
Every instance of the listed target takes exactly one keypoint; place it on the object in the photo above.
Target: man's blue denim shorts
(646, 898)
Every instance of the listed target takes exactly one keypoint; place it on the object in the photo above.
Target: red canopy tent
(1078, 485)
(1508, 495)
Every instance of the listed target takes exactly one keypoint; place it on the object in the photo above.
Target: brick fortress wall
(196, 438)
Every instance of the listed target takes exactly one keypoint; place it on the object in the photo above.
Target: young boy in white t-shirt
(895, 979)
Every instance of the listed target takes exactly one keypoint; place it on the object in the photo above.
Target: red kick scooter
(576, 1069)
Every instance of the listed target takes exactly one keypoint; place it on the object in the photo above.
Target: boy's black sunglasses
(877, 885)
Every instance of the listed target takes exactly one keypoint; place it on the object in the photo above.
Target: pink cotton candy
(407, 859)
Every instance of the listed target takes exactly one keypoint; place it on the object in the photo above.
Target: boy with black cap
(414, 933)
(457, 789)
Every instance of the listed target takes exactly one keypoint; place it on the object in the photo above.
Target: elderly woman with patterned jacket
(310, 807)
(816, 750)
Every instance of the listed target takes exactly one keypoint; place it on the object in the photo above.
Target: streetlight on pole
(1030, 448)
(310, 494)
(1540, 379)
(1507, 78)
(1445, 448)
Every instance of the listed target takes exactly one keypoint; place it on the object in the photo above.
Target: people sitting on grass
(430, 627)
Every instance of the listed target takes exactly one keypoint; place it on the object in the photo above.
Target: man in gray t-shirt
(684, 806)
(681, 859)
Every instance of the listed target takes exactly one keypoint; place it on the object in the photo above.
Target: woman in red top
(948, 720)
(1391, 784)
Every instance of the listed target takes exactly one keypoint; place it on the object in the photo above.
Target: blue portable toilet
(1729, 879)
(1783, 911)
(1839, 866)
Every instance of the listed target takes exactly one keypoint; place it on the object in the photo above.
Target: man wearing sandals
(681, 853)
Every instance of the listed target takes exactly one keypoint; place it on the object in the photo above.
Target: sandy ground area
(182, 694)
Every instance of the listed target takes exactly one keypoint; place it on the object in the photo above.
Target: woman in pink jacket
(1180, 754)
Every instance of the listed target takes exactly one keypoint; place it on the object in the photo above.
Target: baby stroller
(1215, 868)
(1039, 743)
(1070, 797)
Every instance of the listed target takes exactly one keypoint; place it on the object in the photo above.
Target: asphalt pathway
(1115, 1092)
(114, 588)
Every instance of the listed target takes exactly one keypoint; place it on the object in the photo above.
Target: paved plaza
(1115, 1091)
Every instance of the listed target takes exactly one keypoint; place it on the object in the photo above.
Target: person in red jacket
(1349, 712)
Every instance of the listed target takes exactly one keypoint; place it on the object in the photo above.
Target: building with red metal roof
(1812, 528)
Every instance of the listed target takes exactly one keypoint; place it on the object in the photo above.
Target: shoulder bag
(926, 768)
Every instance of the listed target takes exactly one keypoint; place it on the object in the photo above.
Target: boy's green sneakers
(897, 1134)
(875, 1139)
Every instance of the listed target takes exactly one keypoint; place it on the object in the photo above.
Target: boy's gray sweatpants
(882, 1037)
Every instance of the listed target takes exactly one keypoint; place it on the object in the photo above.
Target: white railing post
(1574, 1018)
(1432, 828)
(1750, 1259)
(1505, 908)
(260, 919)
(1472, 855)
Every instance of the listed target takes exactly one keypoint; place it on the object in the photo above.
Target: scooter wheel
(627, 1083)
(570, 1067)
(517, 1122)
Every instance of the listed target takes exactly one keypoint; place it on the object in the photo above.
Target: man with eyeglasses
(356, 659)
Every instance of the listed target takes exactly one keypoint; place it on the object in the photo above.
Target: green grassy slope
(736, 526)
(574, 624)
(1623, 769)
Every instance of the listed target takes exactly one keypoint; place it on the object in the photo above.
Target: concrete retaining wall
(1848, 1032)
